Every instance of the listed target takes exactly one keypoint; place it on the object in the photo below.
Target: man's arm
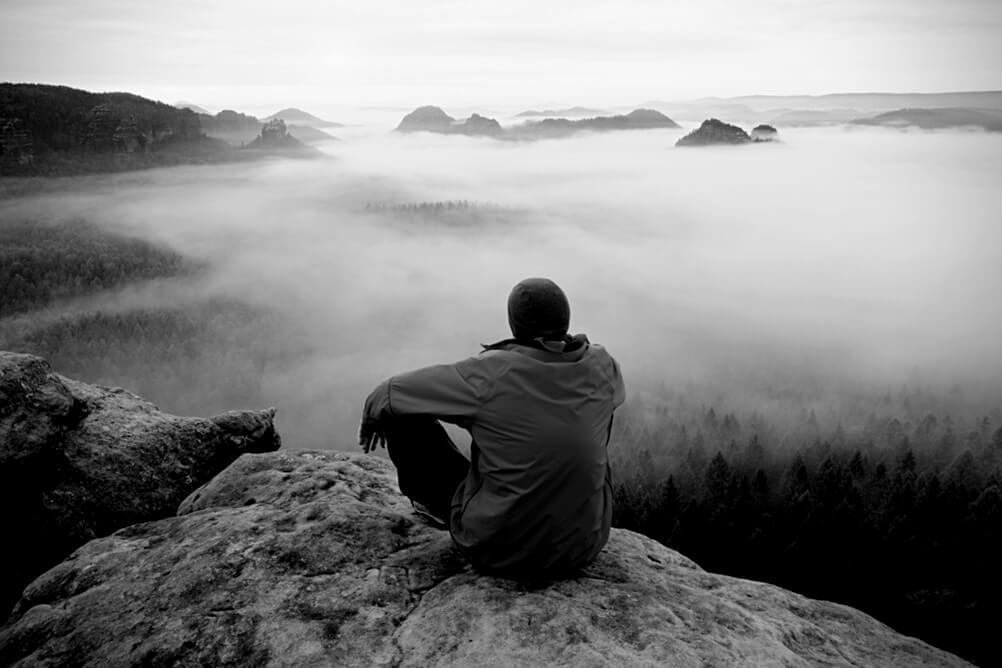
(449, 392)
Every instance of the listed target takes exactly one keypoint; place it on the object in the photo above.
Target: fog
(836, 257)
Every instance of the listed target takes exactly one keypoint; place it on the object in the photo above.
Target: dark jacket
(538, 496)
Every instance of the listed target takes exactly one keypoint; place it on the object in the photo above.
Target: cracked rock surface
(79, 461)
(303, 558)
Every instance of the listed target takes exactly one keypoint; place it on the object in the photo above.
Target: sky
(327, 55)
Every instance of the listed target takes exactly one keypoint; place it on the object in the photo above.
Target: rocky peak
(274, 130)
(712, 132)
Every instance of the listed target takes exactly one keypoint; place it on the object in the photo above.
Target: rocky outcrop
(275, 138)
(102, 121)
(274, 132)
(128, 139)
(79, 461)
(314, 559)
(714, 132)
(764, 132)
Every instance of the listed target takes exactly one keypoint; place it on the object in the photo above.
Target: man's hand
(370, 436)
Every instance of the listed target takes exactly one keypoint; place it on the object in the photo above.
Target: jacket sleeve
(449, 392)
(618, 386)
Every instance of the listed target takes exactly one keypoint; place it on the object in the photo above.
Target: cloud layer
(845, 257)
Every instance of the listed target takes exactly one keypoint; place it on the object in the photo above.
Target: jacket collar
(565, 346)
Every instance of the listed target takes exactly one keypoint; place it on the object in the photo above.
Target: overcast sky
(506, 52)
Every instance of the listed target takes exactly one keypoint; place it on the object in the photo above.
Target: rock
(79, 461)
(128, 138)
(764, 132)
(275, 138)
(314, 559)
(713, 132)
(102, 121)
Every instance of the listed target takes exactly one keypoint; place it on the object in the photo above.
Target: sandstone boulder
(314, 559)
(79, 461)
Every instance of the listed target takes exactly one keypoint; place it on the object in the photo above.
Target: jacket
(538, 496)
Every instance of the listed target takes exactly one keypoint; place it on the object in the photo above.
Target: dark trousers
(429, 466)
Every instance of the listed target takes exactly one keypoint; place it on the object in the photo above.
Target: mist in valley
(836, 261)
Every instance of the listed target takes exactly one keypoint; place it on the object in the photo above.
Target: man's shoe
(429, 515)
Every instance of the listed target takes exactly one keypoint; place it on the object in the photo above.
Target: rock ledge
(314, 559)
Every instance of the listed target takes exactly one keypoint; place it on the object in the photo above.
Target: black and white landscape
(802, 289)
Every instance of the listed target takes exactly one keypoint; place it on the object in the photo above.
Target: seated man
(535, 500)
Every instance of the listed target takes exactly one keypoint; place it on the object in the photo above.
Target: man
(535, 500)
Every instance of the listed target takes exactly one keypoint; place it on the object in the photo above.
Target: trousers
(429, 465)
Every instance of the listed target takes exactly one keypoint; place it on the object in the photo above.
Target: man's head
(538, 308)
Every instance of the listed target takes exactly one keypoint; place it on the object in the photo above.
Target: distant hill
(309, 134)
(715, 132)
(873, 101)
(697, 110)
(54, 130)
(294, 116)
(938, 119)
(794, 110)
(808, 117)
(571, 112)
(434, 119)
(638, 119)
(181, 104)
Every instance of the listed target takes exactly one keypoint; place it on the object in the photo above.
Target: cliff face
(79, 461)
(314, 559)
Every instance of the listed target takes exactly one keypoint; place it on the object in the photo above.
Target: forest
(885, 499)
(57, 130)
(898, 515)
